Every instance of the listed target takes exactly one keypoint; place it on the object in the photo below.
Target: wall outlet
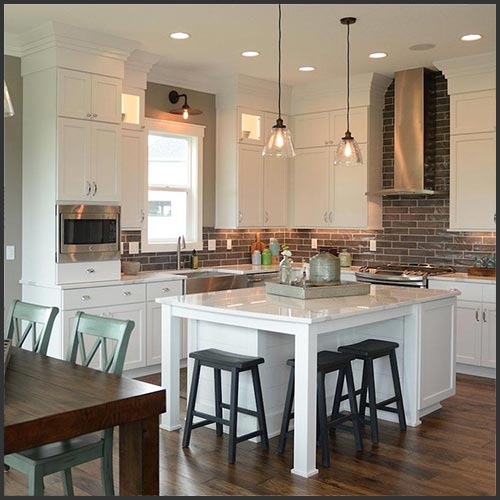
(10, 252)
(133, 247)
(229, 244)
(373, 245)
(211, 245)
(121, 247)
(314, 243)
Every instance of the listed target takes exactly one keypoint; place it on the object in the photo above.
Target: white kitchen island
(248, 321)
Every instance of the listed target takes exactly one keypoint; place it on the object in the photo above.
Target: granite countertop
(489, 280)
(255, 302)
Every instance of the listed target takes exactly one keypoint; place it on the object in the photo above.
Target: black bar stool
(368, 350)
(328, 361)
(234, 363)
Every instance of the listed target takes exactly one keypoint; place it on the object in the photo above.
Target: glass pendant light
(279, 143)
(8, 109)
(348, 153)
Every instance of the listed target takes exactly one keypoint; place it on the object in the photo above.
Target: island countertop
(257, 303)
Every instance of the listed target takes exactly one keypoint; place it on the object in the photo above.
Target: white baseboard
(478, 371)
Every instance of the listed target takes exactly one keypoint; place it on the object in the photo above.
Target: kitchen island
(248, 321)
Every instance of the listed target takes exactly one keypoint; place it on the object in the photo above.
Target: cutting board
(257, 244)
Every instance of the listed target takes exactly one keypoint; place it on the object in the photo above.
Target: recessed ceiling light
(307, 68)
(422, 46)
(377, 55)
(179, 35)
(471, 37)
(250, 53)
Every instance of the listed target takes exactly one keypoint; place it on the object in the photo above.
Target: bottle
(345, 258)
(256, 258)
(194, 260)
(305, 269)
(274, 246)
(266, 257)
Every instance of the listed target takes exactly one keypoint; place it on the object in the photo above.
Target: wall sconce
(185, 111)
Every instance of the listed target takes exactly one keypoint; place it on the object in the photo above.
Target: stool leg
(218, 399)
(351, 391)
(338, 395)
(259, 403)
(372, 402)
(287, 412)
(322, 421)
(233, 415)
(397, 390)
(362, 397)
(191, 403)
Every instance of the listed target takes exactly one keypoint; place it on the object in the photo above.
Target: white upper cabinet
(473, 112)
(133, 164)
(358, 124)
(251, 126)
(473, 182)
(250, 186)
(88, 96)
(311, 130)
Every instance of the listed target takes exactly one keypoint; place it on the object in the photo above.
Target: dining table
(48, 400)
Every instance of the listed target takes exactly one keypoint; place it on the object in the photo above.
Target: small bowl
(245, 134)
(130, 268)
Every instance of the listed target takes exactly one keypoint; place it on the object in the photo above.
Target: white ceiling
(312, 34)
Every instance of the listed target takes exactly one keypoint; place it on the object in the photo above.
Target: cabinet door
(106, 99)
(250, 181)
(358, 124)
(473, 112)
(349, 203)
(469, 333)
(311, 130)
(74, 94)
(133, 162)
(473, 181)
(105, 162)
(136, 351)
(489, 335)
(73, 160)
(251, 126)
(310, 188)
(275, 191)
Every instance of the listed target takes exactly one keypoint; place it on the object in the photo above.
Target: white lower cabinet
(489, 335)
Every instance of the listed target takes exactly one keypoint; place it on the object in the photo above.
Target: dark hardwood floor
(451, 453)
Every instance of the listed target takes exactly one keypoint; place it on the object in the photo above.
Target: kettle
(324, 268)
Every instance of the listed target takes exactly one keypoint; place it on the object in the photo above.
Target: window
(173, 186)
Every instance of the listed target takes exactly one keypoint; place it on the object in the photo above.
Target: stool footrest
(386, 402)
(357, 392)
(250, 435)
(246, 411)
(209, 418)
(340, 420)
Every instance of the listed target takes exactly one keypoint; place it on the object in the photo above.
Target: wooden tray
(482, 271)
(341, 289)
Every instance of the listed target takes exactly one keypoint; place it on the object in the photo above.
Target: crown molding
(184, 79)
(137, 68)
(11, 45)
(469, 73)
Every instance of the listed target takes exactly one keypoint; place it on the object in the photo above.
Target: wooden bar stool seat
(369, 350)
(235, 364)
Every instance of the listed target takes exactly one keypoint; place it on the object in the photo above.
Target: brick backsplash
(414, 228)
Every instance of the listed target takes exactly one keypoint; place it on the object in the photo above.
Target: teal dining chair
(33, 322)
(108, 338)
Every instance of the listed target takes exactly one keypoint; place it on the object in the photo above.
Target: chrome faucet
(181, 243)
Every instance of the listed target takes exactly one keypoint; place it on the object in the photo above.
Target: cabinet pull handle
(85, 297)
(325, 217)
(330, 216)
(477, 314)
(127, 293)
(142, 215)
(240, 216)
(266, 219)
(484, 316)
(95, 188)
(91, 270)
(89, 188)
(165, 290)
(326, 142)
(95, 115)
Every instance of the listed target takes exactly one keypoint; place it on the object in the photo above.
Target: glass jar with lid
(324, 268)
(345, 258)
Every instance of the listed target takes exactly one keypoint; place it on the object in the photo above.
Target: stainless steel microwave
(88, 232)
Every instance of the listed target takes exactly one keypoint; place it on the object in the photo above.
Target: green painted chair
(109, 337)
(38, 322)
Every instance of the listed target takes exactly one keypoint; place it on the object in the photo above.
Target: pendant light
(348, 153)
(279, 143)
(186, 110)
(8, 109)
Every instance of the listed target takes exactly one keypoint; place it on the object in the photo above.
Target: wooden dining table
(48, 400)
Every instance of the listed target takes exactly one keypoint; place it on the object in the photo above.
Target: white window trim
(179, 128)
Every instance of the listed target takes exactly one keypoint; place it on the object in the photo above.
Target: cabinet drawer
(163, 289)
(86, 272)
(81, 298)
(489, 293)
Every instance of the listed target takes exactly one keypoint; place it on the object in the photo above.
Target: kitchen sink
(199, 281)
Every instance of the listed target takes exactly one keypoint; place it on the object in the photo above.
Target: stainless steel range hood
(413, 134)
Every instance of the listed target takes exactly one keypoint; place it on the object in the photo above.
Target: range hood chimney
(414, 130)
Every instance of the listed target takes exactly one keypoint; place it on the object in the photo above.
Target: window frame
(194, 240)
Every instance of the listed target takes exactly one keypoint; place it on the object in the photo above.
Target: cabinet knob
(89, 115)
(165, 290)
(326, 142)
(95, 115)
(127, 293)
(85, 297)
(91, 270)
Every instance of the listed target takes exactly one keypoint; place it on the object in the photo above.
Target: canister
(266, 257)
(256, 258)
(324, 268)
(345, 258)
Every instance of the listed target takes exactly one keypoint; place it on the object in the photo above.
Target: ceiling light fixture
(185, 111)
(377, 55)
(180, 35)
(279, 142)
(8, 109)
(471, 37)
(250, 53)
(348, 152)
